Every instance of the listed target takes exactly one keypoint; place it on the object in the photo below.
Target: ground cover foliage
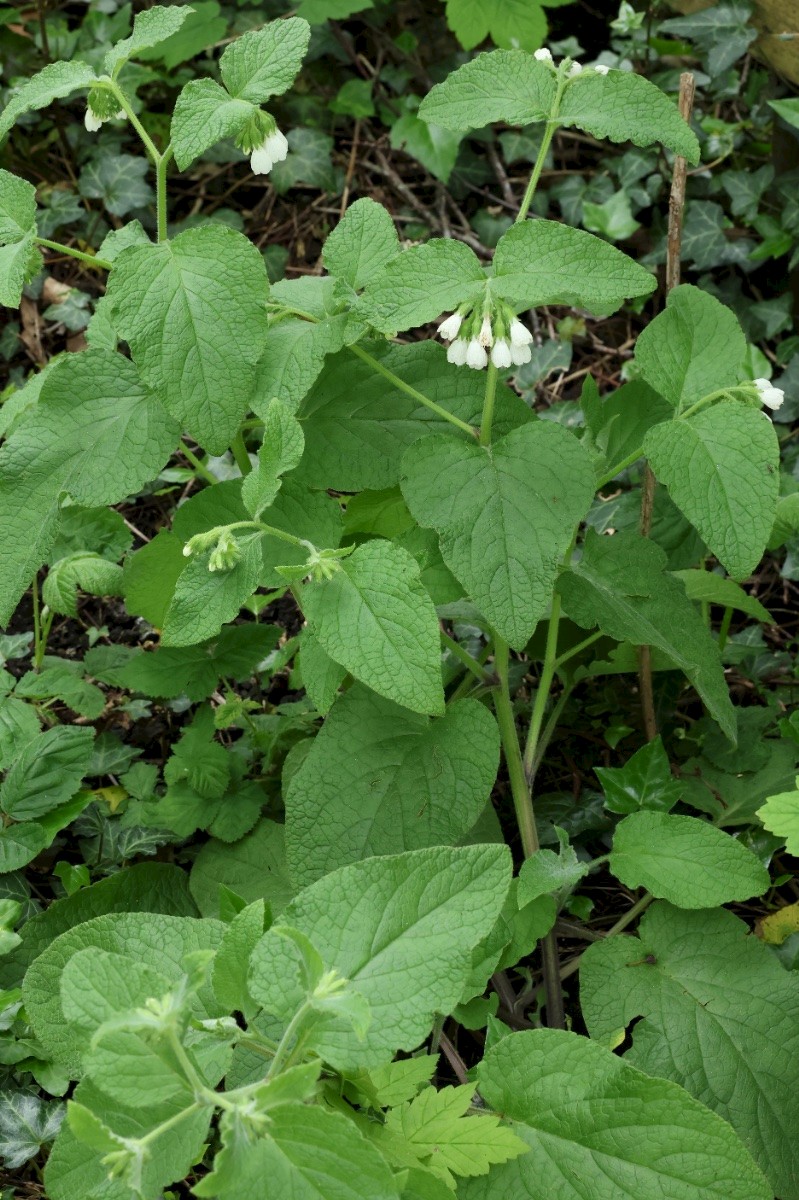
(397, 729)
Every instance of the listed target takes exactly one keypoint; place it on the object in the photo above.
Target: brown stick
(674, 245)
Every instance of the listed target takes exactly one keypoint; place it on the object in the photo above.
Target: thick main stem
(542, 695)
(522, 801)
(488, 405)
(543, 149)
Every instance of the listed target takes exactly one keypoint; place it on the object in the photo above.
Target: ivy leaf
(685, 860)
(721, 467)
(375, 618)
(546, 262)
(645, 781)
(281, 451)
(447, 1141)
(720, 1016)
(120, 181)
(380, 923)
(150, 27)
(780, 815)
(507, 22)
(724, 32)
(307, 1153)
(622, 106)
(55, 81)
(694, 347)
(96, 433)
(205, 114)
(265, 62)
(308, 161)
(364, 240)
(579, 1109)
(505, 515)
(205, 600)
(47, 772)
(379, 780)
(502, 85)
(193, 312)
(197, 760)
(620, 584)
(421, 283)
(27, 1122)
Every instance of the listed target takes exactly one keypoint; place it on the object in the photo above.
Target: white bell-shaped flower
(501, 354)
(450, 328)
(772, 397)
(575, 69)
(486, 334)
(519, 334)
(456, 352)
(273, 149)
(543, 55)
(520, 354)
(476, 356)
(92, 121)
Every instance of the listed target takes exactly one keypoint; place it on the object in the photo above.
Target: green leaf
(18, 208)
(149, 577)
(379, 780)
(193, 312)
(47, 772)
(19, 262)
(294, 354)
(693, 347)
(97, 985)
(309, 161)
(645, 781)
(364, 240)
(447, 1141)
(710, 588)
(623, 106)
(308, 1153)
(723, 31)
(505, 515)
(358, 425)
(203, 27)
(721, 468)
(375, 618)
(97, 433)
(546, 872)
(18, 724)
(546, 262)
(281, 451)
(205, 114)
(685, 860)
(503, 85)
(321, 676)
(620, 584)
(27, 1122)
(421, 283)
(160, 941)
(205, 600)
(780, 815)
(506, 22)
(197, 760)
(395, 1082)
(196, 670)
(86, 571)
(254, 868)
(580, 1109)
(434, 147)
(150, 28)
(381, 923)
(19, 845)
(126, 1068)
(55, 81)
(232, 960)
(720, 1016)
(787, 109)
(265, 62)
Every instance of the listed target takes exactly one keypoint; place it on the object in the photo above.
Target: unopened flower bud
(601, 69)
(574, 70)
(543, 55)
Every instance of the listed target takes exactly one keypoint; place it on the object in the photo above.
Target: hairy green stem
(487, 418)
(465, 657)
(161, 169)
(522, 800)
(91, 259)
(289, 1040)
(125, 105)
(545, 683)
(724, 628)
(549, 132)
(377, 366)
(38, 651)
(239, 452)
(197, 464)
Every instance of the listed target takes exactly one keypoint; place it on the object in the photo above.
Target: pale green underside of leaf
(694, 347)
(193, 312)
(51, 83)
(620, 584)
(205, 114)
(381, 923)
(19, 262)
(597, 1127)
(264, 62)
(720, 1016)
(375, 618)
(685, 860)
(150, 27)
(380, 780)
(780, 815)
(96, 434)
(504, 515)
(721, 469)
(17, 207)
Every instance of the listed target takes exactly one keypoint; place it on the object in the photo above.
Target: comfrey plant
(288, 1047)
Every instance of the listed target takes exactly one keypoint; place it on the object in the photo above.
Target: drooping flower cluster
(479, 334)
(770, 396)
(263, 141)
(574, 68)
(101, 106)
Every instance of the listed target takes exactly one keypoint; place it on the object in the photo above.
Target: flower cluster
(263, 141)
(574, 68)
(770, 396)
(101, 106)
(479, 334)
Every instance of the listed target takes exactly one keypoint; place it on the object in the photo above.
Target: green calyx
(258, 128)
(103, 103)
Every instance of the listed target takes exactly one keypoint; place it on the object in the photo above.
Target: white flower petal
(476, 357)
(92, 121)
(601, 69)
(457, 352)
(501, 354)
(520, 355)
(450, 328)
(261, 160)
(519, 334)
(486, 335)
(575, 69)
(543, 55)
(278, 146)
